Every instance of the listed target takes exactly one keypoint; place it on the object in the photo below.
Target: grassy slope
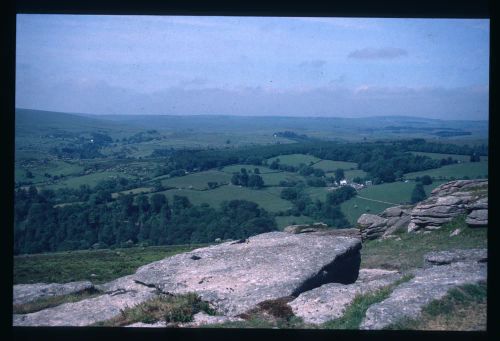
(396, 192)
(268, 197)
(198, 180)
(107, 265)
(408, 252)
(294, 159)
(462, 309)
(439, 156)
(330, 166)
(459, 170)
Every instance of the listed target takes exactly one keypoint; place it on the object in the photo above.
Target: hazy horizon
(253, 66)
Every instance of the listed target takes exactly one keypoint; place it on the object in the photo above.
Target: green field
(89, 179)
(198, 180)
(273, 179)
(267, 198)
(317, 192)
(387, 195)
(134, 191)
(355, 207)
(438, 156)
(53, 167)
(351, 174)
(330, 166)
(237, 168)
(294, 159)
(471, 169)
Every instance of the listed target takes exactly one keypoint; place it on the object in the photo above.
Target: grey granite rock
(329, 301)
(450, 200)
(409, 298)
(453, 256)
(371, 226)
(24, 293)
(122, 293)
(159, 324)
(401, 224)
(236, 277)
(202, 318)
(477, 218)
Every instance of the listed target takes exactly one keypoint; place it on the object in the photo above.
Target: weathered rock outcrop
(24, 293)
(469, 197)
(453, 256)
(120, 294)
(371, 226)
(234, 277)
(408, 299)
(392, 220)
(329, 301)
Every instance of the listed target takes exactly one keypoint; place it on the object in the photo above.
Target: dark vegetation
(90, 217)
(99, 266)
(101, 222)
(93, 213)
(384, 161)
(171, 309)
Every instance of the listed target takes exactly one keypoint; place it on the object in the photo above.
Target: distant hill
(42, 122)
(32, 121)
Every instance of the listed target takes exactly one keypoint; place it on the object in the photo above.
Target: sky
(257, 66)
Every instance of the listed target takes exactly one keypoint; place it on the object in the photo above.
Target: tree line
(40, 226)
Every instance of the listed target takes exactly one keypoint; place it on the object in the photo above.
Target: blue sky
(348, 67)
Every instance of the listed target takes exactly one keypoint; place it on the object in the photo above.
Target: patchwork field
(236, 168)
(89, 179)
(375, 199)
(198, 180)
(331, 166)
(351, 174)
(134, 191)
(471, 169)
(53, 167)
(268, 198)
(438, 156)
(295, 159)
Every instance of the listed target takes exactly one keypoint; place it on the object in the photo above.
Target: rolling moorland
(98, 197)
(166, 180)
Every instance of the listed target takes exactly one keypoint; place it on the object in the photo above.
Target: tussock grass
(99, 266)
(463, 308)
(49, 302)
(166, 308)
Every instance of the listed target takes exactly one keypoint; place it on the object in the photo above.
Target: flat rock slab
(199, 319)
(329, 301)
(235, 276)
(24, 293)
(408, 299)
(453, 256)
(202, 318)
(159, 324)
(89, 311)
